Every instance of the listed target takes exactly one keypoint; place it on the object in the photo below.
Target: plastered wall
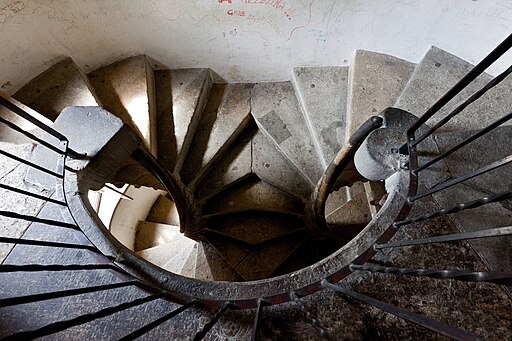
(241, 40)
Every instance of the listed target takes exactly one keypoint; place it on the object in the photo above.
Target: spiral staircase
(349, 203)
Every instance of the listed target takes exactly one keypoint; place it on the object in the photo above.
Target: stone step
(226, 114)
(151, 234)
(164, 211)
(439, 71)
(356, 211)
(253, 194)
(162, 254)
(277, 113)
(270, 165)
(322, 95)
(255, 227)
(234, 166)
(375, 82)
(248, 261)
(126, 89)
(62, 85)
(211, 266)
(189, 266)
(177, 262)
(181, 96)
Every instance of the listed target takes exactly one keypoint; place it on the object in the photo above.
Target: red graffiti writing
(236, 13)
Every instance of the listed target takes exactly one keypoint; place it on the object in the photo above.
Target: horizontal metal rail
(32, 136)
(48, 244)
(464, 143)
(31, 164)
(33, 195)
(495, 81)
(495, 277)
(150, 326)
(457, 208)
(59, 326)
(497, 232)
(57, 267)
(502, 162)
(464, 82)
(423, 321)
(5, 302)
(33, 219)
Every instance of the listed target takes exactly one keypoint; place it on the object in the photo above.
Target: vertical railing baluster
(208, 326)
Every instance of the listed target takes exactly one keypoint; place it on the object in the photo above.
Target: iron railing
(152, 293)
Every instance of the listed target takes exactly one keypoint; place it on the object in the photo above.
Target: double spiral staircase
(361, 202)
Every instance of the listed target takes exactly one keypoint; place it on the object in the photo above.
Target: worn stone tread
(322, 95)
(276, 111)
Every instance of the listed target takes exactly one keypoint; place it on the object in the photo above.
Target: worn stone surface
(211, 266)
(160, 255)
(496, 252)
(277, 113)
(167, 150)
(353, 212)
(255, 227)
(376, 80)
(189, 266)
(322, 95)
(189, 89)
(164, 211)
(335, 200)
(436, 73)
(59, 86)
(224, 118)
(153, 234)
(253, 194)
(234, 166)
(11, 174)
(88, 129)
(126, 89)
(176, 263)
(273, 167)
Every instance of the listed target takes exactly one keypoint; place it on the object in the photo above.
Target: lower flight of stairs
(251, 154)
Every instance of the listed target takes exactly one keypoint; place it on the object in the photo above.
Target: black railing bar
(457, 208)
(150, 326)
(436, 326)
(453, 182)
(465, 142)
(59, 294)
(38, 220)
(17, 110)
(209, 325)
(118, 192)
(59, 326)
(310, 317)
(48, 244)
(496, 232)
(464, 82)
(495, 81)
(31, 164)
(257, 319)
(33, 195)
(495, 277)
(32, 136)
(56, 268)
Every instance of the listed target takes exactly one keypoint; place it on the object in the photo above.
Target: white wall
(260, 41)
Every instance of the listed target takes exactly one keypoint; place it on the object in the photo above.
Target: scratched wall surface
(241, 40)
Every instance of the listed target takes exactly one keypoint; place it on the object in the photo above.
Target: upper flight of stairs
(252, 154)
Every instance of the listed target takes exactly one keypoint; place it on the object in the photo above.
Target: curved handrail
(315, 209)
